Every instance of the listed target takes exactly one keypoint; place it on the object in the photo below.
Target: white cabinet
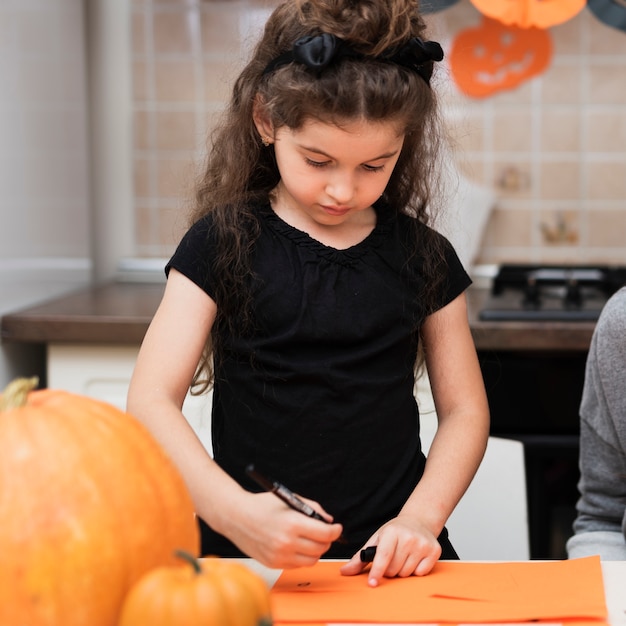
(104, 372)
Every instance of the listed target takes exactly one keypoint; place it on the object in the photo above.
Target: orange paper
(454, 591)
(492, 57)
(530, 13)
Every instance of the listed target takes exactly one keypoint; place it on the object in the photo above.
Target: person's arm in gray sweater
(600, 526)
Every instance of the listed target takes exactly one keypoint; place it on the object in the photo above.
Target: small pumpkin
(89, 502)
(215, 591)
(493, 57)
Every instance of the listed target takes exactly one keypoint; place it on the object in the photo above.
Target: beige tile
(607, 228)
(175, 81)
(141, 130)
(606, 131)
(474, 170)
(512, 130)
(174, 31)
(564, 255)
(505, 255)
(219, 77)
(468, 133)
(607, 181)
(518, 95)
(172, 225)
(219, 28)
(604, 39)
(567, 37)
(141, 177)
(560, 130)
(138, 32)
(561, 84)
(144, 219)
(175, 130)
(509, 228)
(174, 177)
(560, 181)
(606, 83)
(140, 78)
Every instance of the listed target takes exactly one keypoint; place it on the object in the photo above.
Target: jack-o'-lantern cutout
(493, 57)
(530, 13)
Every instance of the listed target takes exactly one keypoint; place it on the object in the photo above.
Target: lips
(336, 210)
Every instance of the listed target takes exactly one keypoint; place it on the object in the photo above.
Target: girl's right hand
(267, 530)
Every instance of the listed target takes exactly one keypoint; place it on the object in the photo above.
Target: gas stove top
(551, 292)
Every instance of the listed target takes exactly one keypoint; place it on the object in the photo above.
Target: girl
(304, 291)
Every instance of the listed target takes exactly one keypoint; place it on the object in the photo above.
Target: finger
(353, 567)
(409, 567)
(425, 565)
(381, 565)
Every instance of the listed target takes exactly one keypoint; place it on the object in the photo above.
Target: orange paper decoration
(530, 13)
(493, 57)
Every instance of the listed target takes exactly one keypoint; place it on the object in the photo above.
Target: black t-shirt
(320, 395)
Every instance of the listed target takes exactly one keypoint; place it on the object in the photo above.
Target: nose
(341, 187)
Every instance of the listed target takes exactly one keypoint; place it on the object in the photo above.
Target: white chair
(491, 520)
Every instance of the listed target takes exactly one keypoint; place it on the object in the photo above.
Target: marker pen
(286, 495)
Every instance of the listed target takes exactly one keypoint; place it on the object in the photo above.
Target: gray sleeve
(602, 485)
(609, 546)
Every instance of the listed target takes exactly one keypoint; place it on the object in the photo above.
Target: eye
(374, 168)
(313, 163)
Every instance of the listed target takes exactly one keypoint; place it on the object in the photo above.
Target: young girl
(304, 291)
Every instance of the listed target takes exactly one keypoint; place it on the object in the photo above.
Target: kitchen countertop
(120, 312)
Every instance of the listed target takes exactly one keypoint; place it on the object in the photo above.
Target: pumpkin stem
(16, 393)
(183, 554)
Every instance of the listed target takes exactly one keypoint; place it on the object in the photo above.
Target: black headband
(318, 51)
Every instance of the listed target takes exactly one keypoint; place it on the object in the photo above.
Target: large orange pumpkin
(89, 502)
(217, 592)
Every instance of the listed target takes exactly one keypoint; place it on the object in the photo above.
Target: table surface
(614, 574)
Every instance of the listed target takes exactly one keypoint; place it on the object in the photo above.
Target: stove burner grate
(551, 293)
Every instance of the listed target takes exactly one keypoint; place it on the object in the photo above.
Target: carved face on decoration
(493, 57)
(530, 13)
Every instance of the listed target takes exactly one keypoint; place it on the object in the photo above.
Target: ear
(261, 120)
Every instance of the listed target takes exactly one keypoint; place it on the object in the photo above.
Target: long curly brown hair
(241, 173)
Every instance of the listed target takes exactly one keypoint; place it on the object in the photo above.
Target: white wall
(44, 184)
(45, 241)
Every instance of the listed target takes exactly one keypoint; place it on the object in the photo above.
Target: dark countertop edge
(120, 313)
(16, 328)
(112, 313)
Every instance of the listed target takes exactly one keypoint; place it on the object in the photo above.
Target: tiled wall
(554, 149)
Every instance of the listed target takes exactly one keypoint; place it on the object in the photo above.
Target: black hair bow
(417, 55)
(314, 51)
(317, 52)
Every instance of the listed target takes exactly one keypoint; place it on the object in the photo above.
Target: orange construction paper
(493, 57)
(530, 13)
(454, 592)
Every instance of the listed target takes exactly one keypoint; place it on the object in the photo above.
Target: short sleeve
(457, 279)
(194, 255)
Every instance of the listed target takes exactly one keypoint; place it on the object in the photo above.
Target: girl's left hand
(404, 547)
